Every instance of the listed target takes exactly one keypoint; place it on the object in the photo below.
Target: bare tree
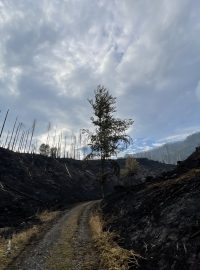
(26, 140)
(12, 132)
(21, 141)
(33, 129)
(48, 130)
(4, 122)
(17, 135)
(7, 137)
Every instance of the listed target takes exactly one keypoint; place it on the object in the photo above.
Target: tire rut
(85, 255)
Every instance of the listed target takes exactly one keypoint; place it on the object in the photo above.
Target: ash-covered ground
(160, 219)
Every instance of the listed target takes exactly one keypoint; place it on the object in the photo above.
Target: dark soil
(160, 219)
(31, 183)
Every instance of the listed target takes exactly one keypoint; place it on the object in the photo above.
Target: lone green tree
(109, 136)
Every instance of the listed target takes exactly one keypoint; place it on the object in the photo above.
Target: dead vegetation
(112, 256)
(131, 167)
(12, 246)
(161, 218)
(47, 216)
(187, 176)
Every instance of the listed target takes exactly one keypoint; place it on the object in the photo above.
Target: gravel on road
(66, 246)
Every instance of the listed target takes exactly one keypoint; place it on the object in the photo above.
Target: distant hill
(172, 152)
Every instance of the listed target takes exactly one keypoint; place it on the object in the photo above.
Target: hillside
(172, 152)
(160, 220)
(148, 167)
(32, 182)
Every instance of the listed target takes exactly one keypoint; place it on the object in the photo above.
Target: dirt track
(67, 245)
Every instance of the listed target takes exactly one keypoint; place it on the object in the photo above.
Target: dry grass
(187, 176)
(47, 216)
(112, 256)
(131, 167)
(11, 248)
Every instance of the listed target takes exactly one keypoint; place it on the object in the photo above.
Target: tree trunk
(102, 180)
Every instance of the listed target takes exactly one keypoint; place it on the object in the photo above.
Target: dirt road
(66, 246)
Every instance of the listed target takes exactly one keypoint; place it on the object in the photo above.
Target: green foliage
(44, 149)
(131, 167)
(109, 136)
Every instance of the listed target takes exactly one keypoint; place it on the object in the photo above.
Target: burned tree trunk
(12, 133)
(4, 122)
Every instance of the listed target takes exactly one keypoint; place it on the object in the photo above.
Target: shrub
(131, 167)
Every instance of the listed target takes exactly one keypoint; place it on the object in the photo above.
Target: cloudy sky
(53, 54)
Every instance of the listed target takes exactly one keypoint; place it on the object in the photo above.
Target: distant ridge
(172, 152)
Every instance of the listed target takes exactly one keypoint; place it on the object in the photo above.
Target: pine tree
(109, 136)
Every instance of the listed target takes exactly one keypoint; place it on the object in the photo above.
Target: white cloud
(198, 90)
(54, 53)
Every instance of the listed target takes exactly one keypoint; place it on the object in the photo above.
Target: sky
(54, 53)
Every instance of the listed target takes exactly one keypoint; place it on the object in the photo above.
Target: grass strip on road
(61, 255)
